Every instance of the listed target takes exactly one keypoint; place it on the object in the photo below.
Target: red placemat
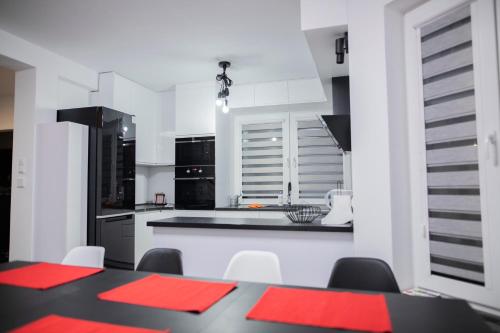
(170, 293)
(45, 275)
(55, 323)
(343, 310)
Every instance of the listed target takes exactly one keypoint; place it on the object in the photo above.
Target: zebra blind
(453, 189)
(320, 163)
(262, 160)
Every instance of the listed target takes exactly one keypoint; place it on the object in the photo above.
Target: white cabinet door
(242, 96)
(146, 106)
(165, 149)
(143, 236)
(271, 93)
(123, 95)
(305, 91)
(195, 109)
(144, 239)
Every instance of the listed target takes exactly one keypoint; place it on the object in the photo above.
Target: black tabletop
(78, 299)
(247, 224)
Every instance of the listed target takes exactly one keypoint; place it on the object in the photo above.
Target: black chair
(363, 274)
(161, 261)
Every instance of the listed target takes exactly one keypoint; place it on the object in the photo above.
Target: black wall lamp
(341, 47)
(225, 83)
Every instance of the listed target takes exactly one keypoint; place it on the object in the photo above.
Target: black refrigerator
(111, 181)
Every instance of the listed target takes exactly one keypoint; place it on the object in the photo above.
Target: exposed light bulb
(225, 108)
(274, 139)
(218, 102)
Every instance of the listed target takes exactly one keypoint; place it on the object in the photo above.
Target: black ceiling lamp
(341, 46)
(225, 83)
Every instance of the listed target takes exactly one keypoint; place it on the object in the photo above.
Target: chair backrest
(89, 256)
(363, 274)
(161, 260)
(254, 266)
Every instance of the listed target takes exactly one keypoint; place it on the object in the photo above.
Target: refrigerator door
(117, 166)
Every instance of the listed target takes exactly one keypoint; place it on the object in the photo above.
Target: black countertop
(148, 207)
(246, 224)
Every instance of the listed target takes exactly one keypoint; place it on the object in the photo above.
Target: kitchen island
(307, 252)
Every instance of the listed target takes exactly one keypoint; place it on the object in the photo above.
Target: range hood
(339, 128)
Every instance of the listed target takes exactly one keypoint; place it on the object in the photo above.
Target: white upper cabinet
(277, 93)
(305, 91)
(121, 94)
(242, 96)
(271, 93)
(195, 109)
(165, 149)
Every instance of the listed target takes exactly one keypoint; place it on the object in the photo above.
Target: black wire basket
(301, 213)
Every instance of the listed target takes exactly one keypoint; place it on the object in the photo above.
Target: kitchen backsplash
(149, 180)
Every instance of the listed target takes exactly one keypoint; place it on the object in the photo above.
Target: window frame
(241, 120)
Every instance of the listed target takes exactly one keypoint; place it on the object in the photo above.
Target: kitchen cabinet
(144, 234)
(242, 96)
(277, 93)
(305, 91)
(195, 109)
(153, 145)
(271, 93)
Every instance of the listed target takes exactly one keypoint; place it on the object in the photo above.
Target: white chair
(254, 266)
(88, 256)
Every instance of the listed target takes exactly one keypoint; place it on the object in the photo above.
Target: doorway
(7, 78)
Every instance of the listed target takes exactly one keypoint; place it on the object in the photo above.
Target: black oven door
(195, 193)
(195, 152)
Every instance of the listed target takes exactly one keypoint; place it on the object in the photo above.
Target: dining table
(78, 299)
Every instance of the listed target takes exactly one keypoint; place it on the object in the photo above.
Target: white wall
(315, 14)
(37, 97)
(379, 140)
(371, 179)
(71, 95)
(6, 112)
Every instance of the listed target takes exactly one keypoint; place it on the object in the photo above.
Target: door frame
(486, 94)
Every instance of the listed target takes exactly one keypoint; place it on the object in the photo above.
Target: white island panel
(306, 258)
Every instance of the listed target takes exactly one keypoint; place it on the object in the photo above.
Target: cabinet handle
(492, 148)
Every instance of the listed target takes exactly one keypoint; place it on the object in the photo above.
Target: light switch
(21, 166)
(20, 182)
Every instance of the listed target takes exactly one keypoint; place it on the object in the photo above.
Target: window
(317, 163)
(276, 149)
(452, 101)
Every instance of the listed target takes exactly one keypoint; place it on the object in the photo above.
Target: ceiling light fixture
(225, 83)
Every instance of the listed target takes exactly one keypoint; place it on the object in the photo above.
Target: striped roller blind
(456, 249)
(262, 160)
(319, 161)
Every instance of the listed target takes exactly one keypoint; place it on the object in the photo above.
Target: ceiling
(159, 43)
(7, 80)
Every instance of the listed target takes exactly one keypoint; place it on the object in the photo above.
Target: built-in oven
(195, 173)
(195, 151)
(195, 187)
